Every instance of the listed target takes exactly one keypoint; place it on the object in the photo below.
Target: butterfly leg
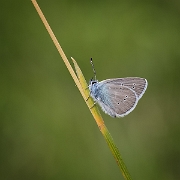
(88, 97)
(93, 105)
(87, 88)
(89, 94)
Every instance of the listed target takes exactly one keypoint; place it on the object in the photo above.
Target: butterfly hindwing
(115, 99)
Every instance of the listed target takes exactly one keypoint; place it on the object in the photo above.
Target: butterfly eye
(93, 82)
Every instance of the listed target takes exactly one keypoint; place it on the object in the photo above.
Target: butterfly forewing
(138, 85)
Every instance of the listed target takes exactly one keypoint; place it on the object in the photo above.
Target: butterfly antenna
(93, 68)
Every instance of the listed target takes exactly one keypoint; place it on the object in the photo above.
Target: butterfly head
(92, 84)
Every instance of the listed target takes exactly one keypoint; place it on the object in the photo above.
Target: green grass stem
(82, 86)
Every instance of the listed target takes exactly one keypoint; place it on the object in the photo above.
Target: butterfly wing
(138, 85)
(116, 100)
(118, 97)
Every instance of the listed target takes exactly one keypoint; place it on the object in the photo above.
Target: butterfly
(117, 97)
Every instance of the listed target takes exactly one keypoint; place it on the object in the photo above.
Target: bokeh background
(47, 131)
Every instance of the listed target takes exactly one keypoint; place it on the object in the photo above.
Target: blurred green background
(47, 131)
